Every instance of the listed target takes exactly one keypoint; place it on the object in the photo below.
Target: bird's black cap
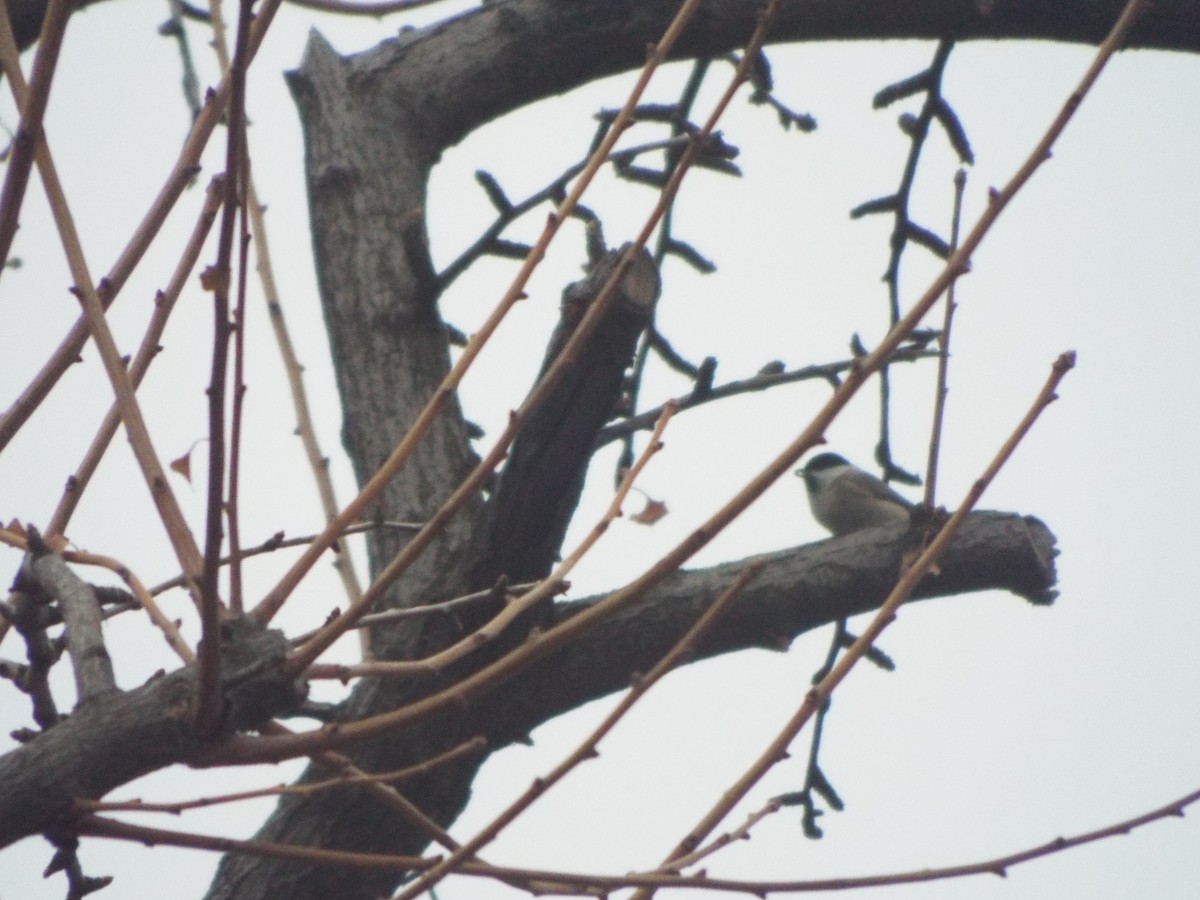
(825, 461)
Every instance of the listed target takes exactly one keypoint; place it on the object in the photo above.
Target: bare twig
(761, 382)
(218, 280)
(317, 460)
(239, 749)
(232, 505)
(164, 303)
(588, 748)
(467, 749)
(175, 28)
(170, 632)
(169, 628)
(741, 833)
(96, 826)
(539, 594)
(85, 291)
(342, 765)
(939, 400)
(279, 542)
(584, 882)
(271, 603)
(651, 339)
(815, 780)
(184, 170)
(511, 212)
(819, 694)
(904, 229)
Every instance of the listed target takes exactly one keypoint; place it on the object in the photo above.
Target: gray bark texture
(375, 124)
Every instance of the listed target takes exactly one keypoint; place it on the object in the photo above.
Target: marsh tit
(844, 498)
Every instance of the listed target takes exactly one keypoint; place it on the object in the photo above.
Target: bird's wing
(873, 489)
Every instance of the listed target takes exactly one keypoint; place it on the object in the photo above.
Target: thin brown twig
(232, 504)
(589, 747)
(583, 882)
(122, 571)
(97, 826)
(387, 794)
(271, 603)
(169, 629)
(294, 372)
(238, 154)
(466, 749)
(279, 542)
(542, 592)
(819, 694)
(308, 653)
(185, 168)
(741, 833)
(219, 279)
(174, 524)
(344, 673)
(393, 615)
(939, 397)
(164, 304)
(241, 749)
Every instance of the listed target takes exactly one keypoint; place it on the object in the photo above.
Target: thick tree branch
(81, 615)
(117, 736)
(378, 289)
(375, 124)
(544, 475)
(481, 58)
(798, 590)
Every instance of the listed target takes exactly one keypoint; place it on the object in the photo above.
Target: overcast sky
(1004, 725)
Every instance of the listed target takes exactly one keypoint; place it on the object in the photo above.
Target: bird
(844, 498)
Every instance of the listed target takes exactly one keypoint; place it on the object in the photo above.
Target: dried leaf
(183, 465)
(653, 511)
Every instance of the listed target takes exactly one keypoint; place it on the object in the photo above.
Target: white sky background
(1004, 726)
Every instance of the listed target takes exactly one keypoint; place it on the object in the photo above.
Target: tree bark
(798, 590)
(375, 124)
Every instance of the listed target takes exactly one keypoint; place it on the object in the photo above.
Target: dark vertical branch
(684, 104)
(208, 702)
(236, 604)
(29, 130)
(917, 128)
